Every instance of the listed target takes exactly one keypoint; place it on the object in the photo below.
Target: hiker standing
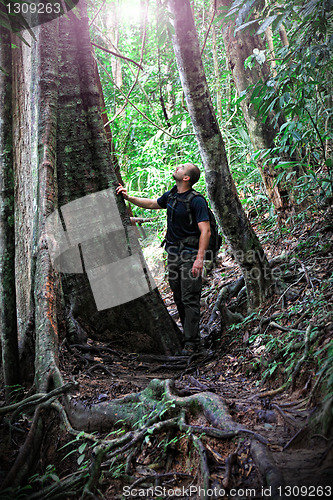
(186, 242)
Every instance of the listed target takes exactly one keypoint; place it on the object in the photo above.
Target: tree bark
(8, 325)
(61, 157)
(113, 30)
(84, 167)
(283, 36)
(270, 43)
(239, 47)
(220, 186)
(217, 75)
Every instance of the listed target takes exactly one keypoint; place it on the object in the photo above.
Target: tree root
(229, 462)
(66, 488)
(269, 472)
(37, 399)
(28, 452)
(154, 411)
(95, 349)
(203, 464)
(225, 294)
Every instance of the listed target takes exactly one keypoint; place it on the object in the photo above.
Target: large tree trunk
(62, 157)
(220, 186)
(8, 326)
(239, 47)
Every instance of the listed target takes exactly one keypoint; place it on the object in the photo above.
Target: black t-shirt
(179, 226)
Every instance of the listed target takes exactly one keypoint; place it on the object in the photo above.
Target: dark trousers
(186, 291)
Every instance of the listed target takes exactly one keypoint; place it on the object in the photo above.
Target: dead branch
(137, 109)
(273, 392)
(117, 55)
(299, 434)
(97, 12)
(306, 272)
(132, 71)
(273, 324)
(208, 30)
(217, 457)
(289, 420)
(99, 366)
(141, 220)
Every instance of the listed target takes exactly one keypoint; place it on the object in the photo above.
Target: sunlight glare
(131, 11)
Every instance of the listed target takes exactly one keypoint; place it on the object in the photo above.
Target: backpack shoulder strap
(173, 190)
(192, 194)
(172, 196)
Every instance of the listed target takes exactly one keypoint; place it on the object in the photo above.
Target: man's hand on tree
(197, 268)
(122, 190)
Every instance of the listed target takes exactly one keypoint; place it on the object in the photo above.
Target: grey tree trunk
(217, 75)
(239, 47)
(220, 186)
(8, 325)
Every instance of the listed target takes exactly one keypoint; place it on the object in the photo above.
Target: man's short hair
(193, 173)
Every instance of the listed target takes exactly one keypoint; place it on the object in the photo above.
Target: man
(187, 240)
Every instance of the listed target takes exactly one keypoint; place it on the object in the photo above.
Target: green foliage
(147, 155)
(325, 364)
(79, 449)
(301, 90)
(44, 479)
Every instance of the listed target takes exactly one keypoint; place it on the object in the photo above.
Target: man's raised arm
(139, 202)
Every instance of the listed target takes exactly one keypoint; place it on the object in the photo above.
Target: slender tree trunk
(270, 43)
(217, 75)
(283, 36)
(8, 325)
(113, 29)
(239, 47)
(220, 186)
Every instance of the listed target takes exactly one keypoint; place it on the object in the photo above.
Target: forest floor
(254, 366)
(251, 366)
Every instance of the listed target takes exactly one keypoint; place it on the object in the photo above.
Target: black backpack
(215, 238)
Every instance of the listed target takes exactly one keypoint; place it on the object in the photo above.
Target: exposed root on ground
(137, 421)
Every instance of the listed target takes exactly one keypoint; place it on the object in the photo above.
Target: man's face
(180, 172)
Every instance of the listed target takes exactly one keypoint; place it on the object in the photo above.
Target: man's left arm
(204, 228)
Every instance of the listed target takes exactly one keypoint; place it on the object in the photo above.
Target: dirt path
(278, 419)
